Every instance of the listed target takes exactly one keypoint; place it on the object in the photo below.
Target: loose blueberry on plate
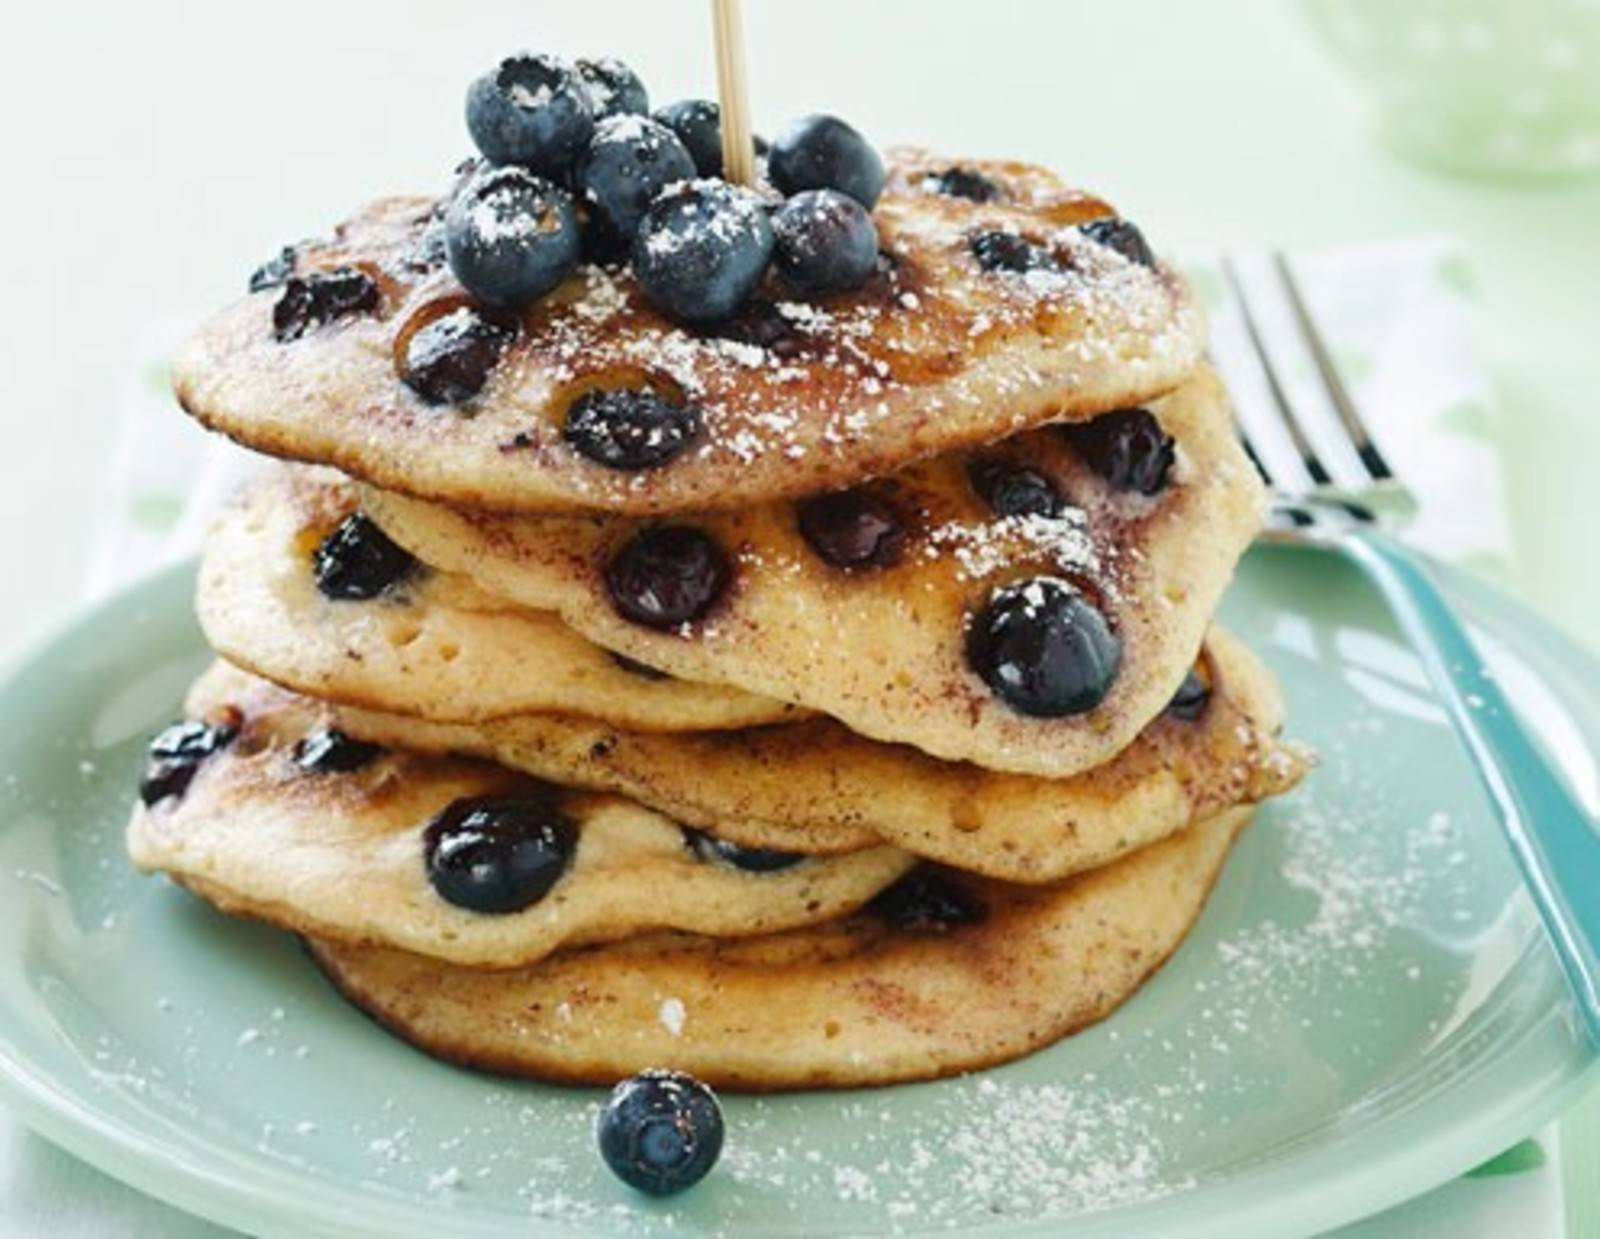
(1007, 251)
(927, 900)
(614, 88)
(177, 753)
(661, 1131)
(448, 360)
(823, 152)
(1191, 699)
(701, 249)
(628, 162)
(962, 183)
(666, 576)
(533, 110)
(698, 124)
(1127, 448)
(498, 854)
(1044, 648)
(824, 242)
(1012, 489)
(1121, 235)
(710, 848)
(511, 236)
(329, 751)
(358, 561)
(853, 529)
(275, 271)
(309, 301)
(629, 429)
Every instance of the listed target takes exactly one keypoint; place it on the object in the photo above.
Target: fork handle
(1555, 844)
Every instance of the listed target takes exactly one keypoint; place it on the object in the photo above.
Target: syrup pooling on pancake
(421, 389)
(457, 859)
(1027, 607)
(962, 974)
(815, 787)
(300, 587)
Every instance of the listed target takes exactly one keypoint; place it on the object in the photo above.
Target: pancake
(341, 855)
(884, 649)
(793, 397)
(853, 1003)
(433, 644)
(815, 787)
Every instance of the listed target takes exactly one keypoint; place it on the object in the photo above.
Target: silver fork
(1334, 491)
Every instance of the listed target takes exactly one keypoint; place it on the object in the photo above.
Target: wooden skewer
(738, 146)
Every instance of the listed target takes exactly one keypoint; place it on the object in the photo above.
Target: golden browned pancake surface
(341, 855)
(794, 396)
(884, 649)
(433, 644)
(856, 1002)
(816, 787)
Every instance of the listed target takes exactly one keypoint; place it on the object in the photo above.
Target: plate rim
(257, 1195)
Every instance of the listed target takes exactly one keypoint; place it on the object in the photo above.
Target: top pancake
(933, 353)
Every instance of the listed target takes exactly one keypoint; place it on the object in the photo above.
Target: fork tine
(1255, 414)
(1314, 467)
(1338, 393)
(1250, 451)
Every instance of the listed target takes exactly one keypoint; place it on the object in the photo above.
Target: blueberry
(825, 242)
(698, 124)
(823, 152)
(623, 428)
(634, 667)
(1045, 649)
(429, 253)
(309, 301)
(629, 161)
(275, 271)
(853, 529)
(358, 561)
(1127, 448)
(531, 110)
(927, 900)
(1121, 235)
(753, 860)
(701, 249)
(1015, 490)
(498, 854)
(1006, 251)
(661, 1131)
(511, 236)
(329, 751)
(761, 323)
(1191, 699)
(667, 575)
(614, 88)
(177, 753)
(450, 358)
(962, 183)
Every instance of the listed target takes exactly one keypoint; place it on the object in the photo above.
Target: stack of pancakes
(831, 789)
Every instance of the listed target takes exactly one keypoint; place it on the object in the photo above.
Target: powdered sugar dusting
(984, 548)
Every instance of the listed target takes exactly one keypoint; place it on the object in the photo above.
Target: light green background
(159, 150)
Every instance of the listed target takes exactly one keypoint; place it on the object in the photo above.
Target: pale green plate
(1365, 1010)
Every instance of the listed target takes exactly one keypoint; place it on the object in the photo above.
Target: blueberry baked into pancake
(787, 605)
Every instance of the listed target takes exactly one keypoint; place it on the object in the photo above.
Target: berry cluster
(576, 167)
